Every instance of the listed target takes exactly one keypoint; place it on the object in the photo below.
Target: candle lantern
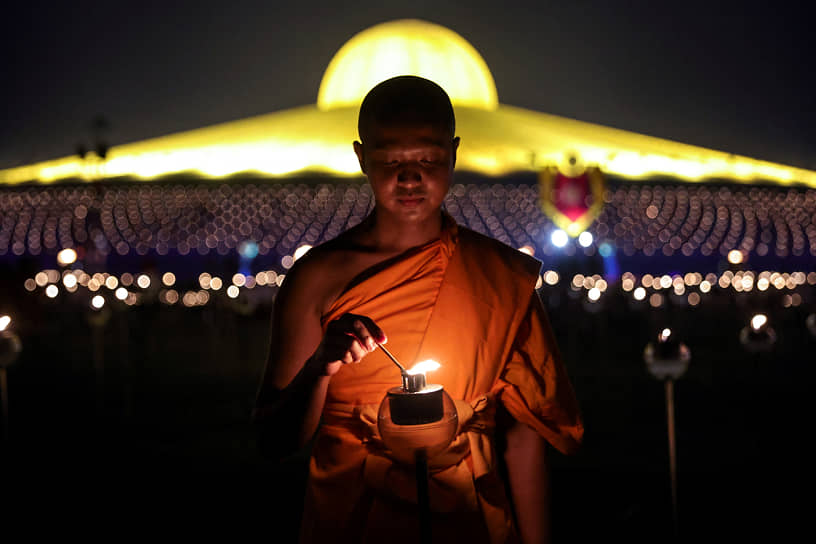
(10, 347)
(667, 359)
(758, 335)
(417, 417)
(417, 421)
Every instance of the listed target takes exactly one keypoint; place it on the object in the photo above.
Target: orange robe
(468, 302)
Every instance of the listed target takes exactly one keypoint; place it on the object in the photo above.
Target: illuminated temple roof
(497, 139)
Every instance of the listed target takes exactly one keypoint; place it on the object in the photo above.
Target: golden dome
(407, 47)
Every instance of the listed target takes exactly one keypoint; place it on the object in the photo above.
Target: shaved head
(406, 100)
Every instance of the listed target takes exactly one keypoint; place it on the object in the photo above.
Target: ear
(358, 150)
(455, 147)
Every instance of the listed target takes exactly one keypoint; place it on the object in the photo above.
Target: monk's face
(410, 168)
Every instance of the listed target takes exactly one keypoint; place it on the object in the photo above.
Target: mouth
(410, 202)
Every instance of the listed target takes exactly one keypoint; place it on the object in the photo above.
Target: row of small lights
(740, 281)
(595, 284)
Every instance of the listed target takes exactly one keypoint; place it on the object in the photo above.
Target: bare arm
(301, 362)
(528, 474)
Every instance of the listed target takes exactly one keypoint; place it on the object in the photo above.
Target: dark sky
(734, 76)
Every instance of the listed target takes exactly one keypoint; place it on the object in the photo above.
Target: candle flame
(665, 334)
(758, 321)
(4, 322)
(423, 367)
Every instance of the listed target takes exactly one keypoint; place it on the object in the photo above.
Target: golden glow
(98, 301)
(758, 321)
(171, 296)
(121, 293)
(497, 139)
(494, 143)
(5, 321)
(69, 281)
(527, 250)
(143, 281)
(423, 367)
(239, 280)
(551, 277)
(51, 291)
(407, 47)
(665, 334)
(111, 282)
(594, 294)
(66, 256)
(640, 293)
(232, 291)
(216, 283)
(735, 256)
(169, 279)
(301, 251)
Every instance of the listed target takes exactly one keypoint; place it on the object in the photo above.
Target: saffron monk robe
(439, 291)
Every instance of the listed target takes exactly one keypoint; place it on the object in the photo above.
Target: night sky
(732, 76)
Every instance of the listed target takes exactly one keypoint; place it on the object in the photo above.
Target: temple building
(588, 200)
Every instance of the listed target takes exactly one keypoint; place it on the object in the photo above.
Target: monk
(410, 276)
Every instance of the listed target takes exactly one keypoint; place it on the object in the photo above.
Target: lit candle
(416, 402)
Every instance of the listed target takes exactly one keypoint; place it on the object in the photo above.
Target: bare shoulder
(316, 278)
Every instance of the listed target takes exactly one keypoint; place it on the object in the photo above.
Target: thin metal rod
(402, 368)
(672, 450)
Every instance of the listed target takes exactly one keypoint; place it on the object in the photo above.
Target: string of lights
(637, 220)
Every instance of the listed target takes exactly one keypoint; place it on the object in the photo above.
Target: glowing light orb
(640, 293)
(248, 249)
(51, 291)
(301, 251)
(4, 322)
(121, 293)
(758, 321)
(735, 256)
(98, 301)
(66, 256)
(585, 239)
(407, 47)
(559, 238)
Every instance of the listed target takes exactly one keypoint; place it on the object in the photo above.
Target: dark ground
(168, 447)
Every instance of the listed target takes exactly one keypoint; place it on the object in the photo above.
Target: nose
(409, 173)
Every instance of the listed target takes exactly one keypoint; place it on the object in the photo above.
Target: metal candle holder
(416, 421)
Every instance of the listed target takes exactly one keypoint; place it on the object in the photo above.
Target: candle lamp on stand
(667, 359)
(417, 421)
(758, 335)
(10, 347)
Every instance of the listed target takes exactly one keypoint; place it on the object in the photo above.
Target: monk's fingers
(362, 326)
(357, 351)
(364, 335)
(373, 330)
